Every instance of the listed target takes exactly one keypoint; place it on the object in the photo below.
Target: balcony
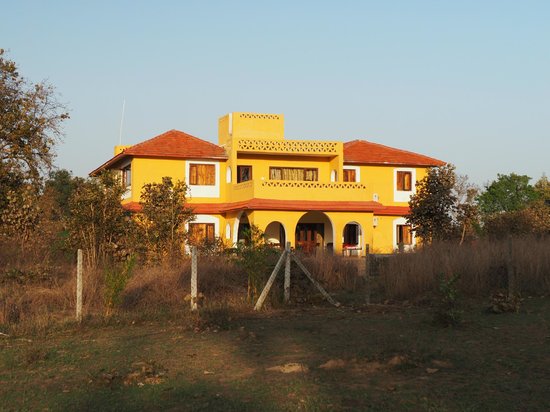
(298, 190)
(300, 147)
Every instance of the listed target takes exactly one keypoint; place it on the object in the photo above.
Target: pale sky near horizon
(467, 82)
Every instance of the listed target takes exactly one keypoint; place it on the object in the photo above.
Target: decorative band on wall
(287, 146)
(312, 185)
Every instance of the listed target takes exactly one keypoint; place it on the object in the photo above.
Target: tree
(60, 185)
(434, 205)
(97, 222)
(507, 194)
(542, 188)
(163, 217)
(30, 126)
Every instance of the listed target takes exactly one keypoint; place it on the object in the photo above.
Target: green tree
(60, 185)
(433, 207)
(507, 194)
(163, 217)
(542, 188)
(30, 126)
(97, 222)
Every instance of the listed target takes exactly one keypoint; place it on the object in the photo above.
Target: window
(404, 235)
(127, 176)
(293, 173)
(202, 174)
(351, 234)
(200, 232)
(244, 173)
(350, 175)
(404, 181)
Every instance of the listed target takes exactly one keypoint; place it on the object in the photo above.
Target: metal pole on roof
(121, 122)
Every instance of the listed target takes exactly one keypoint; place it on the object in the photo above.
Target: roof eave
(112, 161)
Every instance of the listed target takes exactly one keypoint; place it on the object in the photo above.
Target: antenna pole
(121, 122)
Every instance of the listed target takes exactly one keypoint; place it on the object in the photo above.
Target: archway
(314, 232)
(275, 234)
(352, 238)
(241, 228)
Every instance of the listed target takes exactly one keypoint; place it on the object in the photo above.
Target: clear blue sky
(467, 82)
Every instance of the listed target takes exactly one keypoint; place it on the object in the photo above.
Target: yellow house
(317, 195)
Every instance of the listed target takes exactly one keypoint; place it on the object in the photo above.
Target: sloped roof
(363, 152)
(171, 144)
(273, 204)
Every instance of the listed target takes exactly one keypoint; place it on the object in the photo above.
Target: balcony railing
(298, 190)
(307, 148)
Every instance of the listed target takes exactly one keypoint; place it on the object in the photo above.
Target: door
(309, 236)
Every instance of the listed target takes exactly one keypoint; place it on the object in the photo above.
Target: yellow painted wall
(379, 180)
(261, 164)
(148, 170)
(258, 125)
(334, 224)
(152, 171)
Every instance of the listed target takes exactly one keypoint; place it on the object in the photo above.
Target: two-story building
(318, 195)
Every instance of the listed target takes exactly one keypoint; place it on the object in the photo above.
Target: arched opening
(314, 233)
(243, 228)
(275, 234)
(352, 237)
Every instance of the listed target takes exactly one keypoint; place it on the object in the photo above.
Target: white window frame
(357, 172)
(404, 195)
(204, 219)
(203, 190)
(127, 189)
(398, 222)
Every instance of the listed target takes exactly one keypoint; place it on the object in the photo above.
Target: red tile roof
(172, 144)
(272, 204)
(363, 152)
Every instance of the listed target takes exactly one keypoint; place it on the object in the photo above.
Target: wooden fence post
(79, 285)
(287, 273)
(270, 281)
(367, 275)
(193, 278)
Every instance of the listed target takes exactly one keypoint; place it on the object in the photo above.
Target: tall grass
(30, 302)
(482, 266)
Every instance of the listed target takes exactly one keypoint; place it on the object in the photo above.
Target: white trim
(228, 174)
(236, 228)
(206, 219)
(404, 195)
(228, 231)
(357, 172)
(128, 189)
(398, 222)
(203, 190)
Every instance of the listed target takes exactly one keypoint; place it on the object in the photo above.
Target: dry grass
(33, 300)
(35, 297)
(482, 266)
(334, 272)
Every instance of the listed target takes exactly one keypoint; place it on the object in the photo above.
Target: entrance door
(309, 236)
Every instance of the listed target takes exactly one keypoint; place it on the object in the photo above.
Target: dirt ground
(381, 357)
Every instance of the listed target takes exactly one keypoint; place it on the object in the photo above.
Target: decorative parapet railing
(312, 185)
(298, 190)
(244, 185)
(288, 146)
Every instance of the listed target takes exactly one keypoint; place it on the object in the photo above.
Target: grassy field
(383, 357)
